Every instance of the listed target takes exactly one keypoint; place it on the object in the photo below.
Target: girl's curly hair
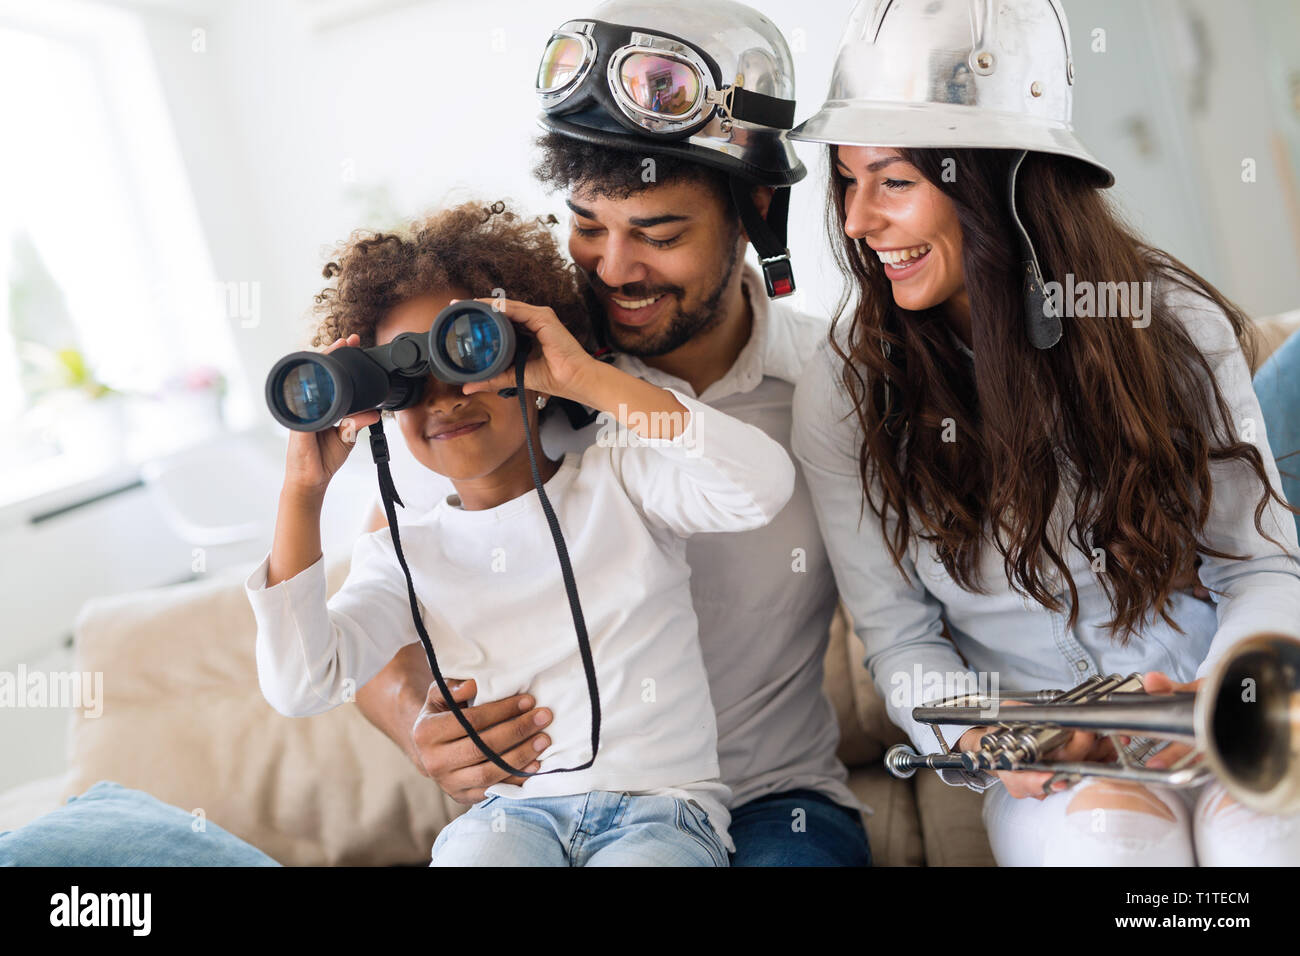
(470, 246)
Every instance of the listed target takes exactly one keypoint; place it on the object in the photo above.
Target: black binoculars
(469, 342)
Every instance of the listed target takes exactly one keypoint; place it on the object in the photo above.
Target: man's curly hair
(615, 173)
(472, 247)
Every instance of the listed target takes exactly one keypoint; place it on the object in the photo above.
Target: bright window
(110, 318)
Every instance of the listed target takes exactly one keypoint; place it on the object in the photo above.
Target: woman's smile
(904, 263)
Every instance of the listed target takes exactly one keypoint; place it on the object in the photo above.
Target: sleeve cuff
(978, 780)
(307, 584)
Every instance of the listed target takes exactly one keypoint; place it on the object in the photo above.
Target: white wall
(298, 132)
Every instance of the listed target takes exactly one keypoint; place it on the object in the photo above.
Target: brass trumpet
(1244, 722)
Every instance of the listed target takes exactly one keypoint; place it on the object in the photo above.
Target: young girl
(1004, 499)
(484, 563)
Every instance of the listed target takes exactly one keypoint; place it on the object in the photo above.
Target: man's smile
(635, 312)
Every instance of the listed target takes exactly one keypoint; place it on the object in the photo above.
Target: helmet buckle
(723, 99)
(778, 275)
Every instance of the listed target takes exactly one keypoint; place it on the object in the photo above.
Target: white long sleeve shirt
(764, 597)
(495, 606)
(1001, 635)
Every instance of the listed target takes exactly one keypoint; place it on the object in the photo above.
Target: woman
(1043, 469)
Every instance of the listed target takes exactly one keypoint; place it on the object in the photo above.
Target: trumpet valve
(977, 760)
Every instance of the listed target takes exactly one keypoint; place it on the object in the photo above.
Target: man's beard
(683, 326)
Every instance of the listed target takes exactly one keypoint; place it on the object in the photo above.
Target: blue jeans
(1277, 386)
(109, 825)
(586, 829)
(798, 828)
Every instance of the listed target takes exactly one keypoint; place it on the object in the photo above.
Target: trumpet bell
(1247, 720)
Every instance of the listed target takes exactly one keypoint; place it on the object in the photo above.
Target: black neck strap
(379, 451)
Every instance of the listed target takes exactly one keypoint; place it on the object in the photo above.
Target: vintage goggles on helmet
(650, 83)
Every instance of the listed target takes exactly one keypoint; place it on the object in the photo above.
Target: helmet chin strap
(767, 234)
(1042, 315)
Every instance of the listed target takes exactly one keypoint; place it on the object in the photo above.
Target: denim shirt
(1002, 641)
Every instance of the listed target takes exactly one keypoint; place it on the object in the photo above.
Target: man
(659, 227)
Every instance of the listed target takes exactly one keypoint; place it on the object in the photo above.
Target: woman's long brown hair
(1125, 420)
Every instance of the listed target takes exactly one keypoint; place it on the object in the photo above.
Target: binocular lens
(470, 342)
(306, 391)
(473, 341)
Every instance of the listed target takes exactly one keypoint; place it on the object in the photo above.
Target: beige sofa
(183, 719)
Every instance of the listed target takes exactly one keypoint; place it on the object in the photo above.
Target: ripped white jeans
(1097, 823)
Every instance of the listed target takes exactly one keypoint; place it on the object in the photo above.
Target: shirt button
(1082, 665)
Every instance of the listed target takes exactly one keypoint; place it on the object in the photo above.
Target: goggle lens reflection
(659, 84)
(560, 63)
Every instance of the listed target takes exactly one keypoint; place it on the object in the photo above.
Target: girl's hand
(1156, 682)
(315, 457)
(563, 368)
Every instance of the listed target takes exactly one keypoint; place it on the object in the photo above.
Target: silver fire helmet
(983, 74)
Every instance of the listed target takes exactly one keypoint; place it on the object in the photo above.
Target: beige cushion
(874, 720)
(1272, 331)
(951, 824)
(856, 747)
(184, 720)
(894, 829)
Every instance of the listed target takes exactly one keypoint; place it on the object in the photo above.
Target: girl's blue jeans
(586, 829)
